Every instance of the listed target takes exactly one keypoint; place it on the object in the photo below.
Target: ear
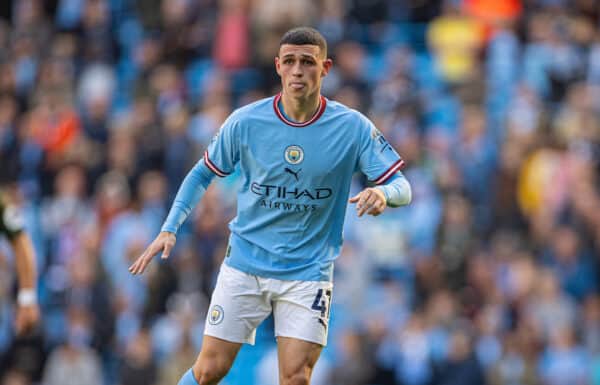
(278, 65)
(327, 64)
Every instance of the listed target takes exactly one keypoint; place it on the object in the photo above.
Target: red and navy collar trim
(320, 111)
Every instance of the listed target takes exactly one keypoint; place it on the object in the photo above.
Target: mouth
(297, 86)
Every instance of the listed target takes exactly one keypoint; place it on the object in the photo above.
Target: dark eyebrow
(302, 55)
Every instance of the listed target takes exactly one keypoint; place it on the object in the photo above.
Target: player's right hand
(163, 242)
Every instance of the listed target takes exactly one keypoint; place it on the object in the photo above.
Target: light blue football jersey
(295, 184)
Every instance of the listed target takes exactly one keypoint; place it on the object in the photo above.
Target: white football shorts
(240, 302)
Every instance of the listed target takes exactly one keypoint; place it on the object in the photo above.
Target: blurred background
(490, 276)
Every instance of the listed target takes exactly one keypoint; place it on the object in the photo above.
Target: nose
(297, 70)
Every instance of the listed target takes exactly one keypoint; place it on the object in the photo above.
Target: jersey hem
(279, 275)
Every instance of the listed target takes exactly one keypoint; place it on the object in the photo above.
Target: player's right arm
(190, 192)
(219, 159)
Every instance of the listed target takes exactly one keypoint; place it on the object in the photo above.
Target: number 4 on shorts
(322, 305)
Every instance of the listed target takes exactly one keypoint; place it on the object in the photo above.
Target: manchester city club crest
(294, 154)
(216, 315)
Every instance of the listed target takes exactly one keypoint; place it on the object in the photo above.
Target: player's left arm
(395, 192)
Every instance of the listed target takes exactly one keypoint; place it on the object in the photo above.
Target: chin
(299, 93)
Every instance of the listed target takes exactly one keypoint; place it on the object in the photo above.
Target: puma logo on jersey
(295, 174)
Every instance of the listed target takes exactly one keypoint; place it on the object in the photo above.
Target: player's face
(301, 68)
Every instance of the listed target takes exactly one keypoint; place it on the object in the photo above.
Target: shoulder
(352, 119)
(251, 111)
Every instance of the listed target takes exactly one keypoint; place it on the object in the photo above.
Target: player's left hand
(370, 200)
(27, 318)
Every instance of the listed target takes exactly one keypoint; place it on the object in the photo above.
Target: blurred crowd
(490, 276)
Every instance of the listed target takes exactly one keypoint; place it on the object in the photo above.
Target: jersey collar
(316, 116)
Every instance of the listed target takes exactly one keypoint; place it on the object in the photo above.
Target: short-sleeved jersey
(11, 220)
(296, 180)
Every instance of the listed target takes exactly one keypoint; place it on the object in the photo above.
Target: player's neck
(300, 109)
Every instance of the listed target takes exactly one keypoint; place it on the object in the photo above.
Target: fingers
(376, 203)
(164, 242)
(166, 251)
(376, 209)
(134, 268)
(361, 206)
(370, 202)
(140, 264)
(365, 202)
(354, 199)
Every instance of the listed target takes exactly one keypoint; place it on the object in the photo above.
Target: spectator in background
(591, 320)
(571, 263)
(454, 239)
(354, 364)
(550, 309)
(564, 361)
(14, 378)
(455, 39)
(74, 363)
(232, 45)
(514, 367)
(177, 363)
(138, 366)
(461, 367)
